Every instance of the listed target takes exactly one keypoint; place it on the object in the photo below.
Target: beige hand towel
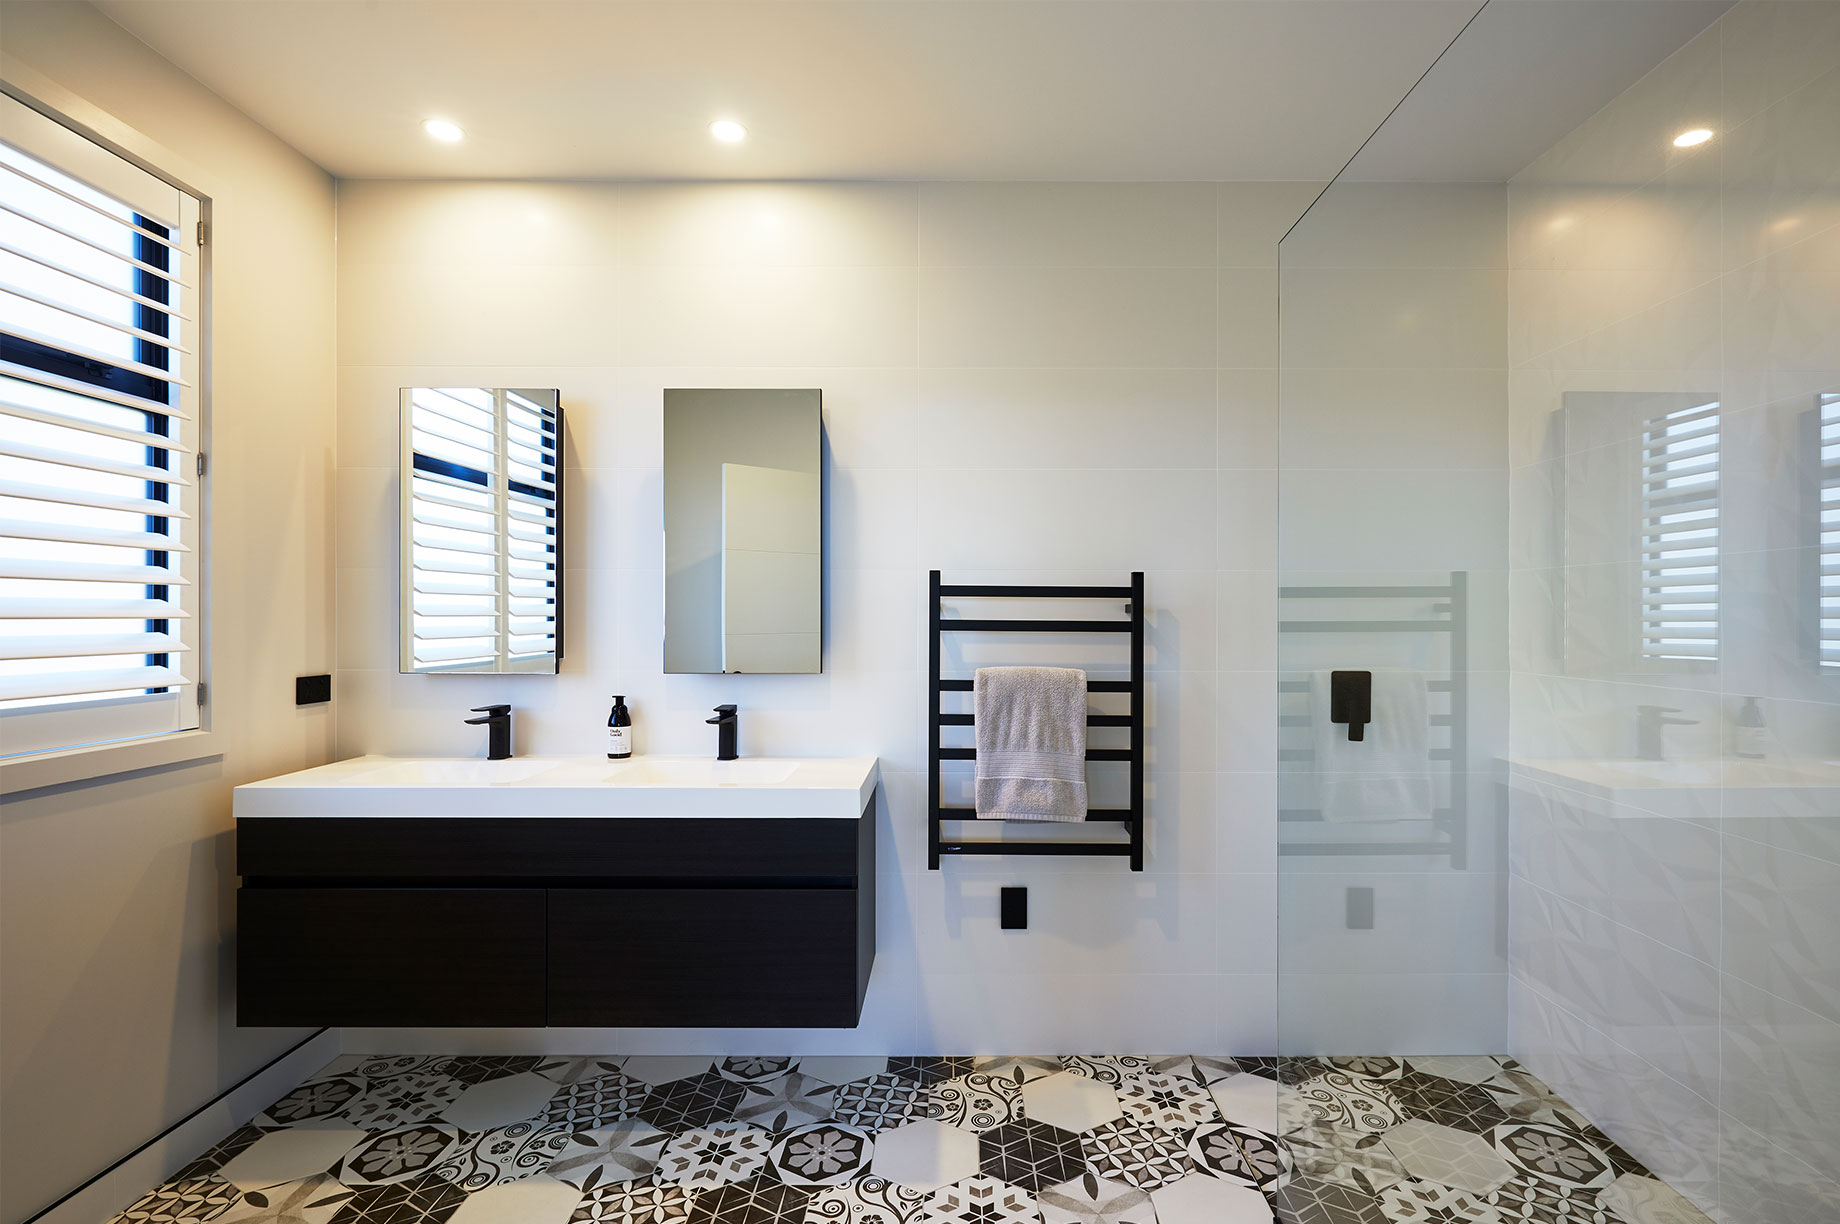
(1031, 743)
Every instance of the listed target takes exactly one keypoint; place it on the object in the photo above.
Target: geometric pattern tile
(1095, 1200)
(1031, 1154)
(921, 1139)
(981, 1200)
(1137, 1154)
(1449, 1157)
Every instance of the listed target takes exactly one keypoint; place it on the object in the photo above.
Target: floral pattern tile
(920, 1139)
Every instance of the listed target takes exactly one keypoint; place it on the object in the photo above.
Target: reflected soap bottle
(1749, 732)
(619, 731)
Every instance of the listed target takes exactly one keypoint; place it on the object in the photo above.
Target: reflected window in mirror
(1828, 528)
(481, 530)
(1680, 534)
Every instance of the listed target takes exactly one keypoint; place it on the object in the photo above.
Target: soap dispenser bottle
(1747, 733)
(619, 731)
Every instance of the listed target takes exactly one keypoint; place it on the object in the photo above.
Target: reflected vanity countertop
(1692, 788)
(644, 786)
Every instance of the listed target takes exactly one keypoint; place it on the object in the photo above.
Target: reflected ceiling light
(1691, 137)
(442, 130)
(728, 131)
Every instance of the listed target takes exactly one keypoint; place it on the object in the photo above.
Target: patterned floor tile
(1315, 1200)
(784, 1101)
(1287, 1069)
(397, 1155)
(1412, 1201)
(311, 1200)
(715, 1155)
(1031, 1154)
(1344, 1100)
(1200, 1199)
(597, 1101)
(199, 1199)
(930, 1069)
(1247, 1100)
(398, 1100)
(1136, 1153)
(981, 1200)
(641, 1202)
(1337, 1154)
(502, 1154)
(315, 1099)
(843, 1068)
(976, 1102)
(569, 1068)
(1553, 1154)
(757, 1201)
(290, 1155)
(1447, 1102)
(219, 1154)
(752, 1068)
(1095, 1200)
(695, 1101)
(626, 1152)
(532, 1200)
(415, 1200)
(1636, 1199)
(479, 1068)
(656, 1069)
(1526, 1099)
(1531, 1202)
(825, 1154)
(1464, 1068)
(1239, 1153)
(1070, 1101)
(1449, 1157)
(1369, 1066)
(926, 1154)
(1020, 1068)
(878, 1102)
(1168, 1100)
(870, 1200)
(1210, 1070)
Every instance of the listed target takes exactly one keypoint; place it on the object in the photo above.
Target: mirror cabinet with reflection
(743, 525)
(481, 530)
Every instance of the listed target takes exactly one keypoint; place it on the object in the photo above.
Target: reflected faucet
(1650, 719)
(497, 722)
(725, 724)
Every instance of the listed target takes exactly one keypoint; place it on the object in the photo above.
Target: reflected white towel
(1386, 776)
(1031, 743)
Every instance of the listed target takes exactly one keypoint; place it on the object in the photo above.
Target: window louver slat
(1828, 530)
(1679, 535)
(99, 510)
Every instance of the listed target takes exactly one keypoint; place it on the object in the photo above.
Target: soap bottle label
(619, 741)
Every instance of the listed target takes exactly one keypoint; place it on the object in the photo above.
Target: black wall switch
(311, 690)
(1015, 909)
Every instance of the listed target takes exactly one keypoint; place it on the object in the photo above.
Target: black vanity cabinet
(563, 921)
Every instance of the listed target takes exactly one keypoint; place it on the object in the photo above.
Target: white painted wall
(1021, 382)
(116, 905)
(1673, 952)
(1393, 446)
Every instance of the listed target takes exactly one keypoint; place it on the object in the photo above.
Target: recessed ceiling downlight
(442, 130)
(1691, 137)
(728, 131)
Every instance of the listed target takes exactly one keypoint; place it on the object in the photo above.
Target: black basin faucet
(497, 722)
(724, 723)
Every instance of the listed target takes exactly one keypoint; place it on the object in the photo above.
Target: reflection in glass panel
(482, 532)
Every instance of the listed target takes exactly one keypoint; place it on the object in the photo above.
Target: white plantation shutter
(1679, 465)
(99, 508)
(480, 531)
(1830, 533)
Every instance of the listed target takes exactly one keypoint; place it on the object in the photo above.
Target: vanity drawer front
(390, 956)
(727, 957)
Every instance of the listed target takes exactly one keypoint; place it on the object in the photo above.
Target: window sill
(100, 761)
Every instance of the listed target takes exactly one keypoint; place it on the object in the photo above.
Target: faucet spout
(1650, 719)
(497, 722)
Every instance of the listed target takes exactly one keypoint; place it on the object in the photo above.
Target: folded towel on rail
(1386, 776)
(1031, 743)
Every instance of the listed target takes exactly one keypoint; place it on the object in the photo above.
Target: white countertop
(642, 786)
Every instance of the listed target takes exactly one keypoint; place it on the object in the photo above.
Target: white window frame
(64, 143)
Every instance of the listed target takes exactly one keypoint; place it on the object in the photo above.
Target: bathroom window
(99, 415)
(1679, 471)
(1829, 528)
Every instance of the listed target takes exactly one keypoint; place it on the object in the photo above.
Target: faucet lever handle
(724, 713)
(492, 711)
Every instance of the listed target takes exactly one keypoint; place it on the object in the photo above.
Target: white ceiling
(902, 89)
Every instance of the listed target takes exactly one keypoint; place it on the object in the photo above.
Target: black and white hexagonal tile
(502, 1154)
(868, 1200)
(753, 1068)
(981, 1200)
(1091, 1199)
(1030, 1154)
(597, 1101)
(415, 1200)
(822, 1154)
(694, 1101)
(635, 1202)
(976, 1102)
(626, 1151)
(198, 1199)
(1136, 1153)
(758, 1200)
(715, 1155)
(929, 1069)
(786, 1100)
(878, 1102)
(397, 1155)
(1167, 1099)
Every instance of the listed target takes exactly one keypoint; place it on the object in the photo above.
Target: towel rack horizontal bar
(1003, 591)
(1036, 626)
(1092, 814)
(1362, 592)
(1092, 720)
(1092, 686)
(1303, 686)
(1303, 720)
(1312, 815)
(1308, 754)
(1104, 849)
(1353, 848)
(1359, 626)
(1092, 754)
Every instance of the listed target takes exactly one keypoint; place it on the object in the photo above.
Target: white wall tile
(1066, 317)
(1131, 225)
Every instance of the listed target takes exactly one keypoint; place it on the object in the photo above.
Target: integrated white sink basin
(822, 787)
(1705, 789)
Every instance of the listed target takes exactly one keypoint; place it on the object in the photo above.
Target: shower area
(1558, 698)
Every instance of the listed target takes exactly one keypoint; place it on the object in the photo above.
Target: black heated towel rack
(1132, 817)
